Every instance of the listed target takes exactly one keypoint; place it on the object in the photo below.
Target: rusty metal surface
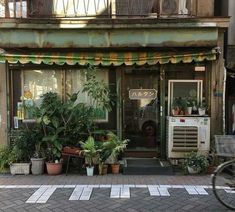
(84, 38)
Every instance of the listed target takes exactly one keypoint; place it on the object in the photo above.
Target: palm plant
(89, 150)
(115, 145)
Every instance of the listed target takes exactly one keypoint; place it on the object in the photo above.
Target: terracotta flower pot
(115, 168)
(54, 168)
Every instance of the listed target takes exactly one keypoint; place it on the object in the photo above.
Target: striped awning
(109, 58)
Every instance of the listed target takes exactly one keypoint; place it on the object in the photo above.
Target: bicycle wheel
(223, 181)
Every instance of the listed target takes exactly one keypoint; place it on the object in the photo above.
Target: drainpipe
(224, 97)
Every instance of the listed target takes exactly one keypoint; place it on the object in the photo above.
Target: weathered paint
(3, 105)
(19, 38)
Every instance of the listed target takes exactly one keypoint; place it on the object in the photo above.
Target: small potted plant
(21, 150)
(175, 108)
(196, 163)
(190, 105)
(39, 156)
(202, 108)
(116, 145)
(90, 152)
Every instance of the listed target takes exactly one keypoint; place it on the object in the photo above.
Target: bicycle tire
(223, 182)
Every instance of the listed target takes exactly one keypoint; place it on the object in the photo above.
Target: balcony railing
(94, 8)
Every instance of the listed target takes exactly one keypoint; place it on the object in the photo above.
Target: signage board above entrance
(142, 94)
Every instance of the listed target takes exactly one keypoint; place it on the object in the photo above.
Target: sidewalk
(7, 179)
(131, 193)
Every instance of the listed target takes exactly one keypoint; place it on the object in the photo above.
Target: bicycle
(223, 178)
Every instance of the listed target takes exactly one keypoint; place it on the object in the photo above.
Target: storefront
(139, 80)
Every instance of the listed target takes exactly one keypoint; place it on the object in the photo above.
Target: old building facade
(151, 53)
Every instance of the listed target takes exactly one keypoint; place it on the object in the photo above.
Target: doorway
(141, 110)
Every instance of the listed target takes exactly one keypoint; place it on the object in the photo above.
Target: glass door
(141, 118)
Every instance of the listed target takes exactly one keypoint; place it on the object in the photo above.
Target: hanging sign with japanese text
(142, 94)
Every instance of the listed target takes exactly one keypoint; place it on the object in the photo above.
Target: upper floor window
(13, 8)
(94, 8)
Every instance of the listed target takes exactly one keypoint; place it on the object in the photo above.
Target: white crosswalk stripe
(191, 190)
(37, 194)
(76, 193)
(84, 192)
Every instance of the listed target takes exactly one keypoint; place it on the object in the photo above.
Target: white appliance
(186, 134)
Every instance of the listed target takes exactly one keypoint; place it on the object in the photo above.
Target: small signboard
(142, 94)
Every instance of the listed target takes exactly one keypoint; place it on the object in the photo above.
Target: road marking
(76, 193)
(153, 190)
(46, 195)
(125, 192)
(201, 190)
(115, 192)
(37, 194)
(84, 192)
(191, 190)
(163, 191)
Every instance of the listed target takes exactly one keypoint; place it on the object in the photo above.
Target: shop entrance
(141, 109)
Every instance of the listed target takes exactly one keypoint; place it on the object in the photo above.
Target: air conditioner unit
(173, 7)
(187, 134)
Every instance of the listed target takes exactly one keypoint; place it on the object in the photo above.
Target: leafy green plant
(5, 157)
(203, 105)
(114, 146)
(97, 90)
(89, 150)
(196, 161)
(22, 144)
(54, 144)
(191, 102)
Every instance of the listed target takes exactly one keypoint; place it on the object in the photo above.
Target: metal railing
(93, 8)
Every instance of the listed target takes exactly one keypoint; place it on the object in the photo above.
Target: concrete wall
(3, 105)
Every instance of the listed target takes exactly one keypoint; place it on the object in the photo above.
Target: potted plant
(5, 154)
(202, 108)
(90, 152)
(175, 109)
(48, 117)
(21, 150)
(179, 106)
(116, 146)
(196, 162)
(54, 148)
(104, 154)
(39, 155)
(190, 105)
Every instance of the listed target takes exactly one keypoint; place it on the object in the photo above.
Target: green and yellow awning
(109, 58)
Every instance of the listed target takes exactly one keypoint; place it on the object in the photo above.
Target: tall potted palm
(54, 149)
